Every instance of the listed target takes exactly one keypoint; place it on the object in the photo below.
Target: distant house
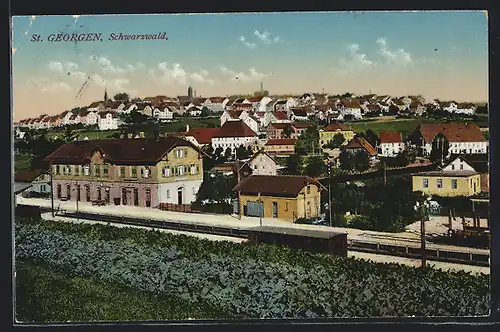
(233, 134)
(350, 108)
(416, 108)
(216, 104)
(283, 197)
(372, 109)
(259, 103)
(163, 113)
(298, 114)
(275, 117)
(263, 163)
(326, 134)
(400, 104)
(90, 118)
(230, 115)
(391, 143)
(360, 144)
(448, 183)
(194, 111)
(463, 138)
(108, 120)
(202, 136)
(472, 162)
(280, 147)
(32, 182)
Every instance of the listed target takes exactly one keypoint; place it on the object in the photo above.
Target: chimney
(187, 128)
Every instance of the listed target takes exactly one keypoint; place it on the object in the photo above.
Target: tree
(440, 148)
(346, 161)
(372, 137)
(361, 161)
(250, 151)
(122, 97)
(241, 152)
(204, 112)
(228, 153)
(216, 188)
(208, 149)
(308, 141)
(314, 167)
(482, 109)
(287, 131)
(293, 164)
(218, 152)
(336, 141)
(68, 134)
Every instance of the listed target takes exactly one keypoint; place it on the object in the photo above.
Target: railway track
(409, 251)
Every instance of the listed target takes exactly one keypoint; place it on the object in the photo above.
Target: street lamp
(77, 191)
(261, 210)
(329, 165)
(422, 209)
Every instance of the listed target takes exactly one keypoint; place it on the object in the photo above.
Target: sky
(435, 54)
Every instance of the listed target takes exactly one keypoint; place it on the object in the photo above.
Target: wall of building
(326, 136)
(287, 207)
(465, 185)
(168, 192)
(391, 149)
(279, 149)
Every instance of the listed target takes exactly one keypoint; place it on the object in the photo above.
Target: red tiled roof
(287, 185)
(353, 104)
(373, 107)
(255, 99)
(260, 114)
(235, 129)
(301, 125)
(361, 143)
(279, 125)
(119, 151)
(234, 114)
(245, 105)
(299, 111)
(27, 176)
(280, 115)
(203, 135)
(454, 132)
(95, 104)
(103, 114)
(390, 137)
(336, 127)
(217, 99)
(281, 141)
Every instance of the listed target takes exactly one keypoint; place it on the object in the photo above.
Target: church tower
(105, 94)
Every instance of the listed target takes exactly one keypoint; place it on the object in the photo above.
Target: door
(78, 192)
(275, 209)
(474, 187)
(99, 194)
(68, 192)
(87, 193)
(179, 196)
(148, 197)
(124, 196)
(108, 198)
(136, 197)
(58, 191)
(254, 209)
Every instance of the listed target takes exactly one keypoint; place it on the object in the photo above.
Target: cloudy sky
(436, 54)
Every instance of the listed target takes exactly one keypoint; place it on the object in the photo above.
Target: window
(179, 153)
(425, 183)
(461, 166)
(166, 172)
(133, 171)
(286, 206)
(452, 167)
(168, 193)
(122, 172)
(254, 166)
(97, 170)
(180, 170)
(308, 189)
(145, 172)
(86, 170)
(105, 171)
(439, 183)
(70, 168)
(454, 184)
(193, 169)
(78, 170)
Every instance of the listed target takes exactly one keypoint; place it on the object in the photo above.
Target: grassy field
(22, 162)
(164, 127)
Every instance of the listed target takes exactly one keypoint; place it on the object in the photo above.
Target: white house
(253, 122)
(107, 120)
(194, 111)
(285, 105)
(216, 104)
(465, 108)
(259, 103)
(90, 118)
(297, 114)
(229, 115)
(262, 163)
(351, 108)
(275, 117)
(391, 144)
(458, 164)
(65, 116)
(96, 106)
(127, 108)
(163, 113)
(463, 138)
(232, 134)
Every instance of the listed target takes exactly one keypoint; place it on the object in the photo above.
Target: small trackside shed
(315, 241)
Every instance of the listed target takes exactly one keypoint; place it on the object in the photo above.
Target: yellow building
(448, 183)
(326, 134)
(284, 197)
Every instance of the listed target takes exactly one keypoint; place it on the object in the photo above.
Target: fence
(175, 207)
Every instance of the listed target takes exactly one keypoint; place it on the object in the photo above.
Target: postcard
(234, 166)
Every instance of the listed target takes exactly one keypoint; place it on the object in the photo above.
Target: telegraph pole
(51, 189)
(422, 235)
(330, 194)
